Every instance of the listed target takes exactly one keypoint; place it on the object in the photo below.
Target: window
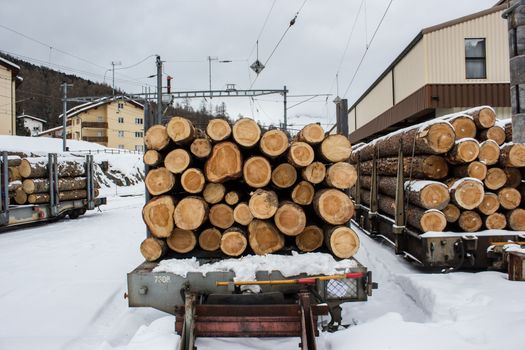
(120, 133)
(100, 119)
(99, 133)
(78, 121)
(139, 148)
(139, 134)
(120, 146)
(475, 59)
(120, 105)
(120, 120)
(139, 121)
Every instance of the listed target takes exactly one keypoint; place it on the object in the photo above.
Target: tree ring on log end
(344, 242)
(246, 132)
(284, 175)
(257, 172)
(433, 220)
(441, 137)
(310, 239)
(181, 241)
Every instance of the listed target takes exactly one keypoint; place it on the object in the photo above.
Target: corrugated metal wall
(376, 102)
(410, 73)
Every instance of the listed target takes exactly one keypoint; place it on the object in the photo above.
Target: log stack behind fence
(231, 190)
(462, 172)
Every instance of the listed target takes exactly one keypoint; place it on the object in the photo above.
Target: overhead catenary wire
(367, 48)
(262, 29)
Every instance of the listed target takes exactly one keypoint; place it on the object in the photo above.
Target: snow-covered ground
(63, 285)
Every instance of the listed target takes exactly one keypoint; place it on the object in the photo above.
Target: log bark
(13, 174)
(470, 221)
(511, 155)
(13, 161)
(477, 170)
(152, 157)
(489, 152)
(221, 216)
(341, 175)
(310, 239)
(451, 212)
(508, 131)
(246, 132)
(516, 219)
(242, 214)
(303, 193)
(180, 130)
(495, 133)
(464, 151)
(225, 163)
(423, 193)
(64, 184)
(257, 172)
(233, 241)
(20, 197)
(312, 134)
(232, 198)
(333, 206)
(467, 193)
(192, 180)
(264, 237)
(153, 248)
(181, 241)
(159, 181)
(342, 241)
(263, 204)
(284, 175)
(418, 167)
(314, 173)
(210, 239)
(290, 218)
(513, 177)
(177, 161)
(200, 147)
(484, 116)
(464, 126)
(37, 167)
(218, 129)
(13, 186)
(39, 198)
(214, 193)
(190, 213)
(300, 154)
(496, 178)
(490, 203)
(495, 221)
(158, 216)
(273, 143)
(509, 198)
(335, 148)
(421, 219)
(156, 138)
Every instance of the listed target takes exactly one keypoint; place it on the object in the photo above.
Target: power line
(367, 47)
(262, 29)
(135, 64)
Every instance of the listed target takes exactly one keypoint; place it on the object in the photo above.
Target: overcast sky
(185, 33)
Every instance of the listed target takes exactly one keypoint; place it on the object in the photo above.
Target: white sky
(185, 33)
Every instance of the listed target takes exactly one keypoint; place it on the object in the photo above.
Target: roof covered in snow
(14, 67)
(23, 116)
(100, 102)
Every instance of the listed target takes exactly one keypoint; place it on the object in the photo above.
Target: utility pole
(158, 117)
(285, 126)
(516, 25)
(209, 73)
(64, 116)
(113, 64)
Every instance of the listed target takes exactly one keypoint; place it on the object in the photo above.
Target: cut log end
(274, 143)
(451, 213)
(210, 239)
(464, 126)
(490, 204)
(489, 152)
(221, 215)
(233, 242)
(509, 198)
(181, 241)
(312, 134)
(464, 151)
(468, 193)
(435, 167)
(232, 198)
(152, 249)
(314, 173)
(497, 134)
(342, 241)
(284, 175)
(336, 148)
(440, 137)
(310, 239)
(192, 180)
(496, 221)
(495, 179)
(513, 177)
(263, 204)
(200, 148)
(20, 196)
(158, 216)
(486, 118)
(152, 158)
(156, 137)
(516, 219)
(333, 206)
(477, 170)
(180, 130)
(218, 129)
(242, 214)
(290, 219)
(303, 193)
(225, 163)
(300, 154)
(177, 161)
(341, 175)
(470, 221)
(257, 172)
(264, 237)
(433, 220)
(190, 213)
(246, 132)
(159, 181)
(434, 196)
(517, 155)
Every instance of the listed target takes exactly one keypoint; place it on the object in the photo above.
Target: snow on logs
(237, 189)
(482, 167)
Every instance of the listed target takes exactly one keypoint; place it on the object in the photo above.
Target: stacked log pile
(231, 190)
(462, 172)
(29, 181)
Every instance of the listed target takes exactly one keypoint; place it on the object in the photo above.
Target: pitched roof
(13, 67)
(43, 132)
(96, 103)
(31, 117)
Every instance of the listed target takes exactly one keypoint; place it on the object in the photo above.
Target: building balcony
(95, 138)
(99, 125)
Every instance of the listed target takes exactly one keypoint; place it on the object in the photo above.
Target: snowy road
(62, 287)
